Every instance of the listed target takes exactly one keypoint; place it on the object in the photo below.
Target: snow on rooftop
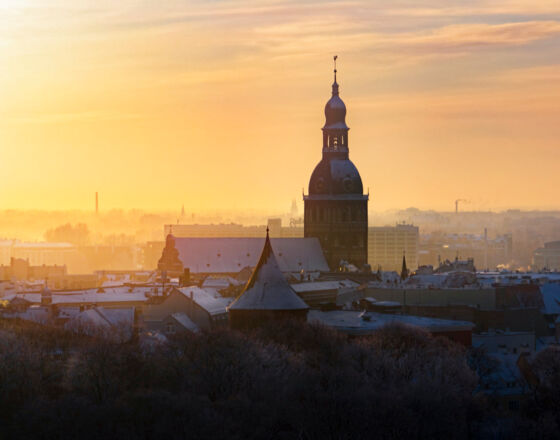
(230, 255)
(186, 322)
(324, 285)
(208, 299)
(94, 296)
(352, 321)
(118, 322)
(267, 288)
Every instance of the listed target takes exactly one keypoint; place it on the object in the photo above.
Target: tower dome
(335, 110)
(335, 176)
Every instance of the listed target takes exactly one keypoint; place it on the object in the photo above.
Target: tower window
(335, 143)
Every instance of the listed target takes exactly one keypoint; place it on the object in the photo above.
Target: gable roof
(267, 288)
(231, 255)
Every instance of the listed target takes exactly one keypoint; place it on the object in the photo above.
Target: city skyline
(221, 105)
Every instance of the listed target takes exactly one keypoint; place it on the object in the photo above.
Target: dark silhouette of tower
(336, 207)
(404, 269)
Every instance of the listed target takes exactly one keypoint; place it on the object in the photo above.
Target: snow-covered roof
(324, 285)
(186, 322)
(230, 255)
(267, 288)
(91, 296)
(220, 283)
(103, 318)
(208, 299)
(94, 297)
(352, 322)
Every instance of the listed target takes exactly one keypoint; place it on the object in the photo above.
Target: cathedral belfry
(335, 206)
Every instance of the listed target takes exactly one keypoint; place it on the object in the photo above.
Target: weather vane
(334, 59)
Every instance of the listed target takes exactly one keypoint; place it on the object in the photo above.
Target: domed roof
(335, 111)
(335, 176)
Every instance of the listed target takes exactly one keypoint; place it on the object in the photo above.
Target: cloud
(66, 117)
(315, 36)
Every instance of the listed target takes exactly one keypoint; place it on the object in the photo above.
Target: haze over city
(155, 105)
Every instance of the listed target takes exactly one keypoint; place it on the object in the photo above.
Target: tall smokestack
(96, 203)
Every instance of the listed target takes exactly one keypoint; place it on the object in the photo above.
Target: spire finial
(335, 84)
(267, 232)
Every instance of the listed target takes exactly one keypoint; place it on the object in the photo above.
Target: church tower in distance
(336, 207)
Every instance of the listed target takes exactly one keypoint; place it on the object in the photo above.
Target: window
(170, 328)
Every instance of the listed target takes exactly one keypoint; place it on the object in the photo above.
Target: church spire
(404, 269)
(335, 130)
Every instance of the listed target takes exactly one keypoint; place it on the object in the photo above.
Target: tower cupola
(335, 130)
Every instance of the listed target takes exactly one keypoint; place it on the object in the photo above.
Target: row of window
(345, 214)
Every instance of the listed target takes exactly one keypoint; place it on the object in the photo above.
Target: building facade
(548, 257)
(335, 206)
(388, 244)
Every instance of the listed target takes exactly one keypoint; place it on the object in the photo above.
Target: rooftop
(353, 322)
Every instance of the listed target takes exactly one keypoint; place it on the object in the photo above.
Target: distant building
(336, 207)
(233, 230)
(37, 254)
(388, 244)
(20, 269)
(267, 296)
(487, 253)
(548, 257)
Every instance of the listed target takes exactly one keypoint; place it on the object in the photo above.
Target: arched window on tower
(335, 143)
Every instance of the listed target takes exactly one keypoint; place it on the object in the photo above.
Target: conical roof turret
(268, 289)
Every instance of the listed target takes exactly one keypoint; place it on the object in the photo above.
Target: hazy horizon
(219, 105)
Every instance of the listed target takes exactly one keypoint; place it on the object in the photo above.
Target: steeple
(404, 270)
(335, 130)
(335, 84)
(267, 289)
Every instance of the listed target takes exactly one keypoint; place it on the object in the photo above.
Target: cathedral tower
(336, 207)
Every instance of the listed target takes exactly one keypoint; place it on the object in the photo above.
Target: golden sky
(219, 104)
